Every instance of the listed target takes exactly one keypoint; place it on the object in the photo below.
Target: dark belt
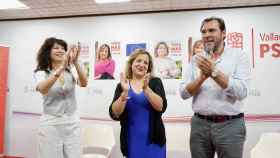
(219, 118)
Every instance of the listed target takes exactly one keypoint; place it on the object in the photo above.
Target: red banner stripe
(4, 53)
(178, 119)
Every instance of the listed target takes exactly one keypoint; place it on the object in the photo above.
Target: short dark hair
(220, 21)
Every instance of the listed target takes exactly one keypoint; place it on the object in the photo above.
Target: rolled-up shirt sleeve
(188, 77)
(239, 81)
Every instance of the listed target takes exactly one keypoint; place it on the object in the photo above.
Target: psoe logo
(235, 40)
(270, 45)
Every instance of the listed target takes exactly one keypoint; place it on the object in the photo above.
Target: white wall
(25, 38)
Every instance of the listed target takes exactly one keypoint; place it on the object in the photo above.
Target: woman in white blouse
(59, 128)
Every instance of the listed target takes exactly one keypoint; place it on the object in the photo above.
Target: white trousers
(60, 141)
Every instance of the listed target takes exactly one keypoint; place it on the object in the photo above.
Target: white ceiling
(65, 8)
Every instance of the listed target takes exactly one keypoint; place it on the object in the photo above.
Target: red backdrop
(4, 52)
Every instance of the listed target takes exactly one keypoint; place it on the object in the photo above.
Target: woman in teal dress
(138, 104)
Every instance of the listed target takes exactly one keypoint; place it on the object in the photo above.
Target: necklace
(61, 79)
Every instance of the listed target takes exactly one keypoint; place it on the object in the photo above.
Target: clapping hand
(146, 80)
(206, 65)
(125, 87)
(124, 82)
(74, 52)
(66, 61)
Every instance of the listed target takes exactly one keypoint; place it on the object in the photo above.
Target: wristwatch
(56, 74)
(214, 73)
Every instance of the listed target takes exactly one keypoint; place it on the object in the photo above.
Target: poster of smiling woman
(167, 61)
(105, 65)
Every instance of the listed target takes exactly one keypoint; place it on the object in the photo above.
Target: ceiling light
(12, 4)
(111, 1)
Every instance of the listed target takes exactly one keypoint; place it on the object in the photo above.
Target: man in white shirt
(218, 82)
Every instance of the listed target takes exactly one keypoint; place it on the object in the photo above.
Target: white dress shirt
(211, 98)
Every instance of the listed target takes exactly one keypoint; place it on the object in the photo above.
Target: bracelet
(123, 99)
(56, 74)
